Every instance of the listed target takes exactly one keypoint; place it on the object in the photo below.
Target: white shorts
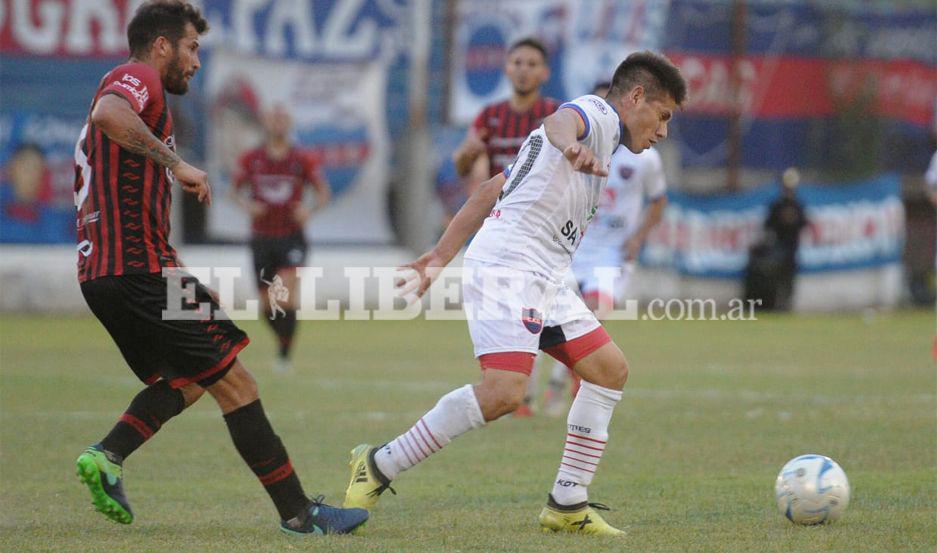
(510, 310)
(601, 271)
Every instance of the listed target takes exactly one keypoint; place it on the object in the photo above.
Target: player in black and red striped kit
(270, 185)
(125, 164)
(499, 129)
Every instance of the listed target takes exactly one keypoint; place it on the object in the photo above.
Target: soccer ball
(812, 489)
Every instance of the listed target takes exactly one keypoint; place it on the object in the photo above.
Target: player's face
(184, 63)
(526, 69)
(278, 123)
(647, 120)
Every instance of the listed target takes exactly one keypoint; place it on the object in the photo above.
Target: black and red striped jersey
(279, 185)
(504, 130)
(123, 198)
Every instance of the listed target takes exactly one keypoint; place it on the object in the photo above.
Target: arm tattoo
(143, 142)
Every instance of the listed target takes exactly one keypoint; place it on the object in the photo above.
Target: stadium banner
(586, 41)
(850, 226)
(804, 63)
(345, 131)
(331, 62)
(327, 61)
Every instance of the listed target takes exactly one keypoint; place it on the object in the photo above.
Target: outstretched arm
(465, 223)
(114, 116)
(563, 129)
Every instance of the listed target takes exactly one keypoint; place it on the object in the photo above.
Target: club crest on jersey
(532, 319)
(625, 171)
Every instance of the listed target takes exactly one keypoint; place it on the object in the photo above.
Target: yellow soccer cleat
(367, 483)
(581, 518)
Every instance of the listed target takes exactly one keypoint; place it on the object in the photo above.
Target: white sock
(587, 433)
(455, 414)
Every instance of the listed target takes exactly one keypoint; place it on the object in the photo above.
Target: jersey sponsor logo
(274, 189)
(570, 232)
(532, 319)
(599, 105)
(136, 88)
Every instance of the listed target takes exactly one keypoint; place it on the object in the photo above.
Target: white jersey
(545, 206)
(632, 180)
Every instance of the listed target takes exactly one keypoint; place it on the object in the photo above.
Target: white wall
(42, 279)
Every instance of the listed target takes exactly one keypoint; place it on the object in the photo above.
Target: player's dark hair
(530, 42)
(654, 72)
(166, 18)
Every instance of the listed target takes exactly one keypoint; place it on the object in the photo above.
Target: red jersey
(123, 198)
(507, 129)
(278, 184)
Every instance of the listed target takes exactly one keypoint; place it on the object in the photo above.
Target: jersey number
(81, 160)
(533, 146)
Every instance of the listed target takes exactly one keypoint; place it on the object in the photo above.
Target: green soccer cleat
(101, 472)
(367, 483)
(581, 518)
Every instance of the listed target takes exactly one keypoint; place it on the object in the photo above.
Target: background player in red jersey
(270, 186)
(125, 164)
(493, 139)
(499, 130)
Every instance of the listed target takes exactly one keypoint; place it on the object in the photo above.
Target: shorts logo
(532, 319)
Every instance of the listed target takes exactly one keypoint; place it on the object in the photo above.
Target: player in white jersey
(632, 203)
(529, 222)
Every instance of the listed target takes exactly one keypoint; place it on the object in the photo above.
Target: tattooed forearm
(142, 141)
(122, 125)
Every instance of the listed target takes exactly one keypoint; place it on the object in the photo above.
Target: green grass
(711, 412)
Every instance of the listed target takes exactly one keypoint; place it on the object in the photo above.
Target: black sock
(264, 453)
(148, 411)
(285, 327)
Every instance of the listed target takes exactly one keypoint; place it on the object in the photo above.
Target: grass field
(711, 412)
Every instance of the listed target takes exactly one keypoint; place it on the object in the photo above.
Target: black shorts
(272, 254)
(179, 351)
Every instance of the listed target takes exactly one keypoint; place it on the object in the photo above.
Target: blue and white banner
(338, 65)
(586, 41)
(850, 226)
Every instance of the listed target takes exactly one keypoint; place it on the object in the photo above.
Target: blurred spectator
(499, 130)
(270, 185)
(772, 263)
(26, 211)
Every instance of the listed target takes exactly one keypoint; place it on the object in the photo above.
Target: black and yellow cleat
(581, 518)
(367, 483)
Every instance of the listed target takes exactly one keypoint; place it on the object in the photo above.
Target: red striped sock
(456, 413)
(586, 437)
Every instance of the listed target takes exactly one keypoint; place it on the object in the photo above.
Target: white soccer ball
(812, 489)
